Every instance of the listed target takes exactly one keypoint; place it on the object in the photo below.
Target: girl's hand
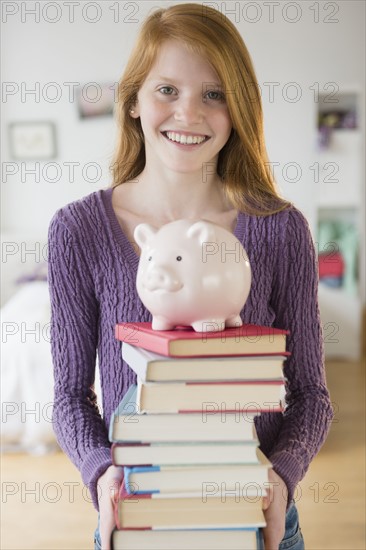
(274, 507)
(108, 487)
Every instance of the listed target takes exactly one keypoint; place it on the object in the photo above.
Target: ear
(134, 110)
(203, 231)
(143, 233)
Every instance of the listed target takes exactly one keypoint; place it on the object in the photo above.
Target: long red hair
(243, 163)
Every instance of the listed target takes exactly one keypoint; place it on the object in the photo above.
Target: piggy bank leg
(234, 321)
(160, 323)
(213, 325)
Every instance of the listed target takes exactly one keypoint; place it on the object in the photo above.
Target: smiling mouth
(185, 139)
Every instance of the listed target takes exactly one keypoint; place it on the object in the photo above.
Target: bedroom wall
(297, 48)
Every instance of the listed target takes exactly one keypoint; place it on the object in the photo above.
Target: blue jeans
(292, 540)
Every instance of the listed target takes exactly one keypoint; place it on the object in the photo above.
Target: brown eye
(179, 258)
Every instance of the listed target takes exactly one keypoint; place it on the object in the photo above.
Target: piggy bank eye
(149, 259)
(179, 258)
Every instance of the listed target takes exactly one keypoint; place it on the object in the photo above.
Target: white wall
(313, 49)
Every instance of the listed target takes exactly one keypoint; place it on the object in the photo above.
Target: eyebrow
(160, 78)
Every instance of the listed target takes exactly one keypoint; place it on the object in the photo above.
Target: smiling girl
(191, 145)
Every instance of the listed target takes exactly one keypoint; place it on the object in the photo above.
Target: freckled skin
(175, 97)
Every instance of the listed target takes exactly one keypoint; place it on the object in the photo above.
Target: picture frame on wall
(32, 140)
(96, 100)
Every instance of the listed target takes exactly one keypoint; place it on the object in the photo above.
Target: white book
(152, 367)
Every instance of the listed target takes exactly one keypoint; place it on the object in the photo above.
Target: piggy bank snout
(161, 278)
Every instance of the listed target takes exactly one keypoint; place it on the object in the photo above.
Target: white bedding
(27, 372)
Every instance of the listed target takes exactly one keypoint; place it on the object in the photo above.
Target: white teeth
(185, 140)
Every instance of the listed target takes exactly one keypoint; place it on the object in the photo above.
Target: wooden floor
(44, 505)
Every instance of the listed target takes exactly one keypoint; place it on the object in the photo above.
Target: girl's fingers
(109, 484)
(267, 499)
(106, 528)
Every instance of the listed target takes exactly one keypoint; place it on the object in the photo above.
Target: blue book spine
(126, 410)
(131, 487)
(260, 539)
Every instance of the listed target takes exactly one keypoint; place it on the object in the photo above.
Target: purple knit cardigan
(92, 273)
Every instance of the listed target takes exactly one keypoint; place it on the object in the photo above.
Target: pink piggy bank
(192, 273)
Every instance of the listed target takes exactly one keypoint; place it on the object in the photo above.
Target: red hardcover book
(185, 342)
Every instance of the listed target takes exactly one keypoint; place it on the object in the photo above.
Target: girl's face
(183, 112)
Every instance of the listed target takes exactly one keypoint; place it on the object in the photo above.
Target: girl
(191, 145)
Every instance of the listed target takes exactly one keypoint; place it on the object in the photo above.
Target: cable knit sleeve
(308, 413)
(78, 425)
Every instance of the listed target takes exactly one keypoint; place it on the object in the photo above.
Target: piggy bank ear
(204, 232)
(143, 232)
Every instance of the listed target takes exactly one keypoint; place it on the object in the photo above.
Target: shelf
(339, 209)
(340, 170)
(338, 109)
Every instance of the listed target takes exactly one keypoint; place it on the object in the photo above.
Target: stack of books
(194, 476)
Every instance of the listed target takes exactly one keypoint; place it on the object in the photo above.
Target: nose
(162, 278)
(159, 278)
(189, 110)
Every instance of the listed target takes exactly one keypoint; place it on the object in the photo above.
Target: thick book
(128, 424)
(186, 342)
(203, 479)
(177, 511)
(187, 539)
(178, 397)
(163, 453)
(154, 367)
